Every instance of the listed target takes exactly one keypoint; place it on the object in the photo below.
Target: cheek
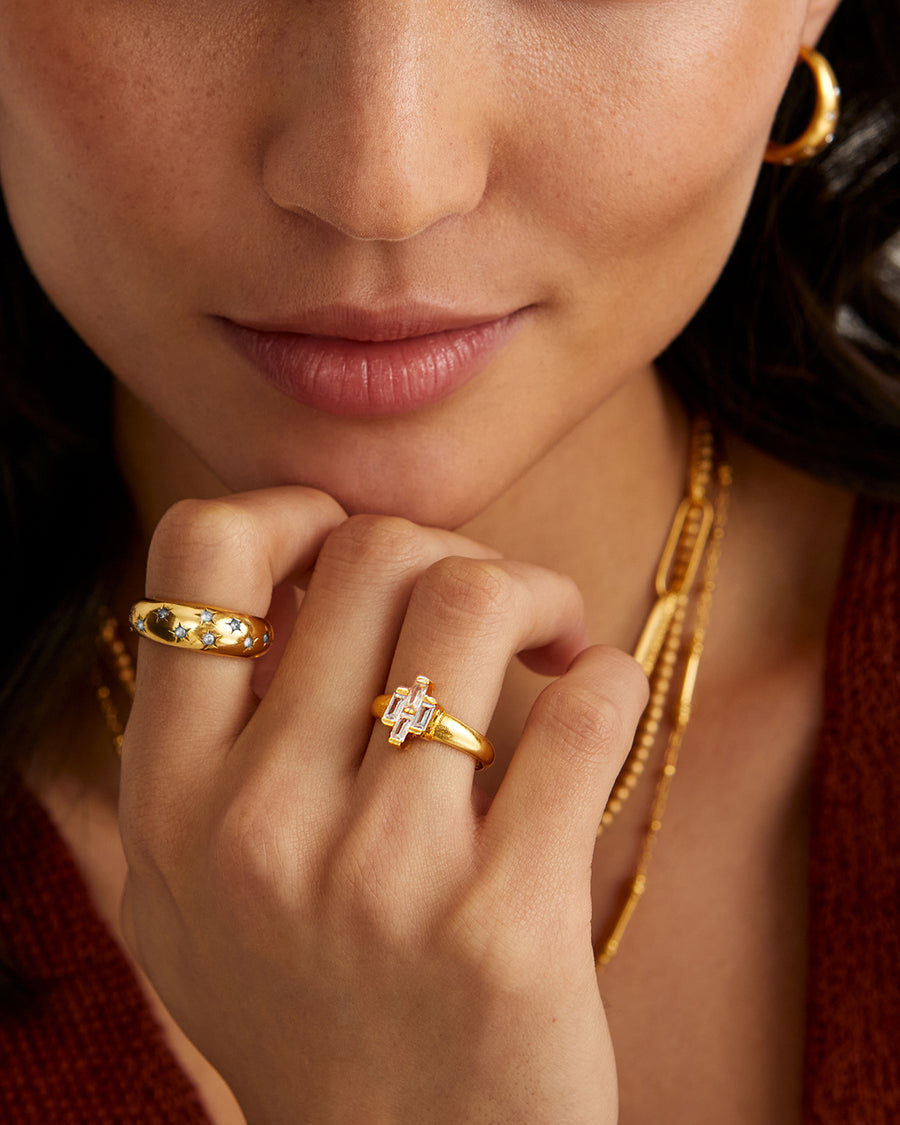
(625, 149)
(107, 143)
(657, 133)
(127, 121)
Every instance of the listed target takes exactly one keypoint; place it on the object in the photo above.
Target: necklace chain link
(696, 539)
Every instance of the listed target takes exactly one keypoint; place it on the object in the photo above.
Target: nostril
(373, 178)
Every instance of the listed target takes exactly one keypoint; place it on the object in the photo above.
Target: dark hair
(64, 520)
(797, 348)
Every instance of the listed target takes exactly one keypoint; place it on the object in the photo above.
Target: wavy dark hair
(64, 519)
(797, 349)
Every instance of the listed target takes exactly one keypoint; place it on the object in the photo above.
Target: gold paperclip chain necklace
(697, 533)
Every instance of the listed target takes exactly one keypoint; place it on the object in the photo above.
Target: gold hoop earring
(819, 133)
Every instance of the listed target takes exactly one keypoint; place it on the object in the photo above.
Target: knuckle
(156, 839)
(570, 591)
(203, 530)
(240, 851)
(580, 723)
(322, 502)
(248, 854)
(606, 666)
(361, 884)
(381, 881)
(374, 542)
(139, 841)
(367, 894)
(500, 946)
(457, 591)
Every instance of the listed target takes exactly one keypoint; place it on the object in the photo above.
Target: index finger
(231, 552)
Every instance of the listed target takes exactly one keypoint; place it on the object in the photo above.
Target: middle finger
(318, 706)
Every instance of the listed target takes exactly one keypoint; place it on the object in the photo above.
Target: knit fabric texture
(87, 1049)
(853, 1005)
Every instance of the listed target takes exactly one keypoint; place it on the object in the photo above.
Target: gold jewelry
(707, 535)
(414, 713)
(113, 650)
(697, 531)
(660, 639)
(819, 133)
(201, 628)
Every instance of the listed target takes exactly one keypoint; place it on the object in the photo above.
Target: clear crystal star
(206, 616)
(209, 639)
(235, 625)
(180, 632)
(162, 613)
(140, 625)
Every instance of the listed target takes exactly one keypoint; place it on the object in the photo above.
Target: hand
(335, 923)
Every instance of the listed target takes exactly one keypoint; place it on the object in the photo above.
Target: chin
(432, 483)
(429, 502)
(447, 499)
(430, 512)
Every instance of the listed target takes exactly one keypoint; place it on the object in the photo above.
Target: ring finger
(466, 619)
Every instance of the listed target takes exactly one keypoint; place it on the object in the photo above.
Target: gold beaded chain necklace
(660, 639)
(694, 541)
(113, 651)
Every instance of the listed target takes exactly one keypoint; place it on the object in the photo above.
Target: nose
(382, 131)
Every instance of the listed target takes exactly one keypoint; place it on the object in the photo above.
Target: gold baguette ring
(413, 712)
(201, 628)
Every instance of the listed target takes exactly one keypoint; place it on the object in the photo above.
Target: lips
(355, 363)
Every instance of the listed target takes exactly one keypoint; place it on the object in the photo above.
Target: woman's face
(540, 192)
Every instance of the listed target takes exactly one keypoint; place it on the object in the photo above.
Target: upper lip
(349, 322)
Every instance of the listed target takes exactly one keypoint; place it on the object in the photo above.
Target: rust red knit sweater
(88, 1051)
(853, 1004)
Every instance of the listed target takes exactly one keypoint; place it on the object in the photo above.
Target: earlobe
(818, 13)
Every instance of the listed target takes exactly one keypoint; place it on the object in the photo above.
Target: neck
(598, 507)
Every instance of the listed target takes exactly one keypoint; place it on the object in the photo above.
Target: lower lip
(362, 378)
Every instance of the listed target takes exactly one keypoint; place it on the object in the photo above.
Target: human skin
(162, 166)
(588, 163)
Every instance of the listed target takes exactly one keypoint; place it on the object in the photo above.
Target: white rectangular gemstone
(417, 694)
(423, 718)
(395, 706)
(400, 731)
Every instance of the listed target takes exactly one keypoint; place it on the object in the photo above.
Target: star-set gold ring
(201, 628)
(413, 712)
